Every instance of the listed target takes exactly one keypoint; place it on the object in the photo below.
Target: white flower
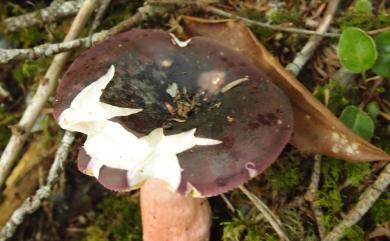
(110, 144)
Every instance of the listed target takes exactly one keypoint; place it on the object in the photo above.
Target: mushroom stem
(168, 216)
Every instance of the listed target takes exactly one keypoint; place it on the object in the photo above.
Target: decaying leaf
(316, 129)
(25, 178)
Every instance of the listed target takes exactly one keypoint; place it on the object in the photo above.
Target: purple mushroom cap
(253, 119)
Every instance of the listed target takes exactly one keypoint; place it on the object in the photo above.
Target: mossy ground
(109, 216)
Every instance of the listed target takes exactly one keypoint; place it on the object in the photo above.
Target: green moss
(5, 134)
(248, 227)
(356, 172)
(337, 100)
(30, 69)
(329, 196)
(363, 19)
(120, 11)
(285, 175)
(355, 233)
(380, 212)
(286, 15)
(95, 233)
(120, 219)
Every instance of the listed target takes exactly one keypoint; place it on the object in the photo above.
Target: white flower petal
(178, 42)
(86, 107)
(163, 167)
(116, 147)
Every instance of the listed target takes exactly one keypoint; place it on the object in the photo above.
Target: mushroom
(183, 120)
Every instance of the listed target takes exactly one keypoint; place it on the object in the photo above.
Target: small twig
(43, 92)
(228, 203)
(99, 15)
(271, 218)
(376, 31)
(52, 13)
(223, 13)
(366, 200)
(47, 50)
(310, 195)
(4, 94)
(307, 51)
(31, 204)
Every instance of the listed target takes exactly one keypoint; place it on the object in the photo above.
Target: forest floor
(81, 209)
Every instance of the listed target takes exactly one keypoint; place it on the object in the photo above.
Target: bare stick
(7, 55)
(366, 200)
(4, 94)
(310, 195)
(99, 15)
(43, 92)
(31, 204)
(222, 13)
(307, 51)
(271, 218)
(52, 13)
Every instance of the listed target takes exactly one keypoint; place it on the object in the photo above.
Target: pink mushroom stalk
(183, 120)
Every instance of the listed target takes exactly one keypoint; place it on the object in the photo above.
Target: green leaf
(363, 6)
(357, 51)
(373, 109)
(359, 121)
(382, 65)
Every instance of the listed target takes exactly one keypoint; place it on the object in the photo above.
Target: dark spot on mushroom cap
(253, 119)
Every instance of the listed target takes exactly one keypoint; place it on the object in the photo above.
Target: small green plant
(358, 121)
(382, 65)
(359, 52)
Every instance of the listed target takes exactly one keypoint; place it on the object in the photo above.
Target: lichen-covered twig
(52, 13)
(43, 92)
(307, 51)
(311, 193)
(366, 200)
(271, 218)
(46, 50)
(31, 204)
(223, 13)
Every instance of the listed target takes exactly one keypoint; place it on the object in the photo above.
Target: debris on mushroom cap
(251, 116)
(110, 145)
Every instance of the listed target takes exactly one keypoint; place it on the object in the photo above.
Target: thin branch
(52, 13)
(310, 195)
(223, 13)
(366, 200)
(43, 92)
(228, 203)
(31, 204)
(99, 15)
(271, 218)
(4, 94)
(307, 51)
(47, 50)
